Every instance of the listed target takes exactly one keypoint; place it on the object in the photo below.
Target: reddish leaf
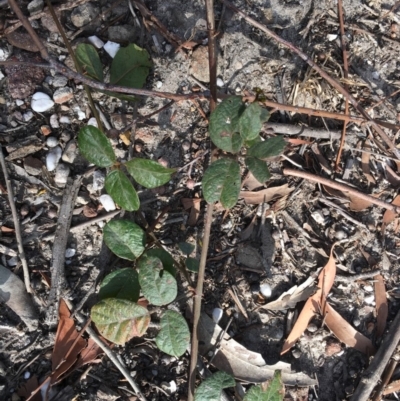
(392, 387)
(381, 305)
(365, 165)
(89, 354)
(26, 389)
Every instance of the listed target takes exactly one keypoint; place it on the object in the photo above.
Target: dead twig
(323, 74)
(341, 187)
(17, 227)
(210, 208)
(373, 373)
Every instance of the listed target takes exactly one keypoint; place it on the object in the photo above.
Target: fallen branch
(373, 373)
(341, 187)
(323, 74)
(17, 227)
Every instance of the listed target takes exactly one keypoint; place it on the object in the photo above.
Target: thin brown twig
(212, 54)
(323, 74)
(341, 187)
(345, 86)
(17, 227)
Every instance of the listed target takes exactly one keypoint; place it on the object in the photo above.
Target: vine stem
(212, 59)
(341, 187)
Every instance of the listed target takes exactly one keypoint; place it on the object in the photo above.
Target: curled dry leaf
(29, 387)
(251, 182)
(392, 177)
(194, 206)
(317, 304)
(265, 195)
(381, 305)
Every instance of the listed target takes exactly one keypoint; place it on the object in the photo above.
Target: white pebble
(81, 115)
(28, 116)
(98, 180)
(70, 252)
(41, 102)
(27, 375)
(331, 37)
(217, 314)
(220, 83)
(92, 121)
(370, 299)
(13, 261)
(51, 141)
(62, 173)
(265, 290)
(96, 42)
(159, 84)
(19, 102)
(107, 202)
(54, 121)
(368, 288)
(65, 120)
(52, 158)
(111, 48)
(375, 75)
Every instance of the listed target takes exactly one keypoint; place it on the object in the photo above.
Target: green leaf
(95, 146)
(224, 124)
(249, 144)
(259, 168)
(192, 264)
(271, 147)
(119, 320)
(165, 257)
(186, 248)
(221, 182)
(122, 191)
(122, 96)
(124, 238)
(158, 286)
(270, 391)
(251, 121)
(130, 67)
(149, 173)
(211, 388)
(174, 336)
(121, 284)
(89, 61)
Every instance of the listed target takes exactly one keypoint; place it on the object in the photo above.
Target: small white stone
(4, 53)
(65, 120)
(220, 83)
(54, 121)
(111, 48)
(159, 84)
(28, 116)
(13, 261)
(1, 75)
(92, 121)
(265, 290)
(331, 37)
(51, 141)
(368, 288)
(62, 173)
(375, 75)
(96, 42)
(18, 102)
(217, 314)
(98, 180)
(41, 102)
(370, 299)
(107, 202)
(81, 115)
(52, 158)
(70, 252)
(27, 375)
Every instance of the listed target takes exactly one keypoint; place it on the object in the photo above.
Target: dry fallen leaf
(392, 387)
(194, 206)
(265, 195)
(389, 215)
(381, 305)
(392, 177)
(251, 182)
(29, 387)
(365, 165)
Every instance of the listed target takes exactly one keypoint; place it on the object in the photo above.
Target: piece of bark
(13, 294)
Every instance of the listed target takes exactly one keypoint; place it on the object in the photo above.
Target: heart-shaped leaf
(272, 390)
(122, 191)
(192, 264)
(158, 286)
(271, 147)
(174, 336)
(130, 67)
(211, 388)
(221, 182)
(148, 173)
(124, 238)
(96, 147)
(165, 257)
(89, 61)
(119, 320)
(224, 124)
(186, 248)
(121, 284)
(259, 168)
(251, 121)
